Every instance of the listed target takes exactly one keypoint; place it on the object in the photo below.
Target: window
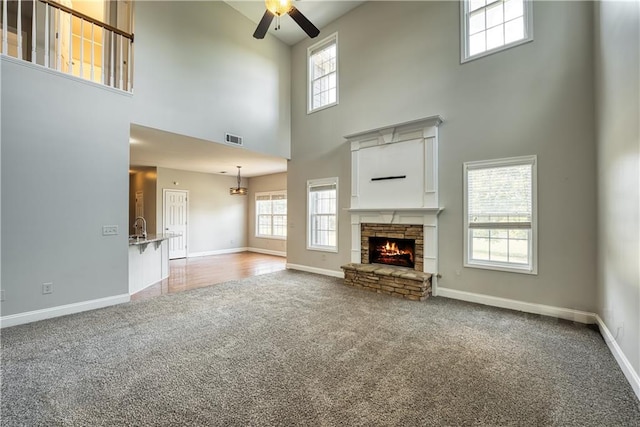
(271, 214)
(322, 198)
(500, 214)
(489, 26)
(323, 74)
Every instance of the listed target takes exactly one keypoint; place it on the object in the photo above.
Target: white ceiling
(320, 13)
(152, 147)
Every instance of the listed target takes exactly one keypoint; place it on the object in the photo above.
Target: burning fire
(390, 249)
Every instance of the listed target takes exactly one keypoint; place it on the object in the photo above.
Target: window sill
(323, 249)
(324, 107)
(271, 237)
(503, 268)
(495, 50)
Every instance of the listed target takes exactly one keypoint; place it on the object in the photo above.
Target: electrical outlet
(2, 295)
(47, 288)
(109, 230)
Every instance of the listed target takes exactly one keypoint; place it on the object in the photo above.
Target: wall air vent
(233, 139)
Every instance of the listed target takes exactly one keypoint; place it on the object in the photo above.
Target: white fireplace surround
(394, 180)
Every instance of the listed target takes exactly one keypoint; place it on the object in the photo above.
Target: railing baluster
(104, 56)
(46, 36)
(33, 33)
(58, 40)
(70, 70)
(112, 65)
(82, 48)
(120, 59)
(19, 25)
(93, 47)
(5, 35)
(129, 85)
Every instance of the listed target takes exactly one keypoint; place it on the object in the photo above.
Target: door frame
(164, 219)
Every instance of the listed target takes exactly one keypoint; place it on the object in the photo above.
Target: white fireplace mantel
(397, 132)
(394, 180)
(396, 166)
(399, 210)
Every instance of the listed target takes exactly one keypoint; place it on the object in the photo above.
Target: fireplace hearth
(392, 251)
(392, 261)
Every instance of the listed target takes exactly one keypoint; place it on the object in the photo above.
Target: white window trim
(267, 193)
(533, 244)
(318, 182)
(328, 40)
(464, 40)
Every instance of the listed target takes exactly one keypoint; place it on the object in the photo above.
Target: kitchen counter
(150, 238)
(148, 260)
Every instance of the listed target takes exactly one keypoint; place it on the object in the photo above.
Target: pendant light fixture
(238, 191)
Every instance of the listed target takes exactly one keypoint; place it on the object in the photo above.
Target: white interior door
(176, 210)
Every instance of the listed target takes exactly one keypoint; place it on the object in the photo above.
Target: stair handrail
(88, 18)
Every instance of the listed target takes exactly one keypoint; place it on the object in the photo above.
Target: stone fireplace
(394, 210)
(391, 244)
(392, 251)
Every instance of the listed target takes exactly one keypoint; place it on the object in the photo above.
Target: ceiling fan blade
(304, 23)
(263, 26)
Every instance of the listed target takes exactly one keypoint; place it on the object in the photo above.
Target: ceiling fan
(277, 8)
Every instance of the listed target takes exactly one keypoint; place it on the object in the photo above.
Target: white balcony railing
(55, 36)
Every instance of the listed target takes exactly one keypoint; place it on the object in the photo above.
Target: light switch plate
(109, 230)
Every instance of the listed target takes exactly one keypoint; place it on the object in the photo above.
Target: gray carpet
(292, 348)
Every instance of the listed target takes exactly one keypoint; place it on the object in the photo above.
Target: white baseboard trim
(316, 270)
(631, 375)
(62, 310)
(218, 252)
(268, 252)
(527, 307)
(559, 312)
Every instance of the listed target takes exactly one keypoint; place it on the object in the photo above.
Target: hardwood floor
(192, 273)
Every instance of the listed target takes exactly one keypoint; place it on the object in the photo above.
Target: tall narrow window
(323, 73)
(500, 214)
(271, 214)
(489, 26)
(322, 197)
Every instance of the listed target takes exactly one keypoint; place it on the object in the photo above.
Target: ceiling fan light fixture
(238, 191)
(278, 7)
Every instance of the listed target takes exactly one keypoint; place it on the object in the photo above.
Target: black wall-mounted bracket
(385, 178)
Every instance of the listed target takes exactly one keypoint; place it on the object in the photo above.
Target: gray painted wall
(273, 182)
(65, 154)
(533, 99)
(198, 72)
(618, 137)
(217, 220)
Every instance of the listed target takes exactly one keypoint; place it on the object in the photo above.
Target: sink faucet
(144, 226)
